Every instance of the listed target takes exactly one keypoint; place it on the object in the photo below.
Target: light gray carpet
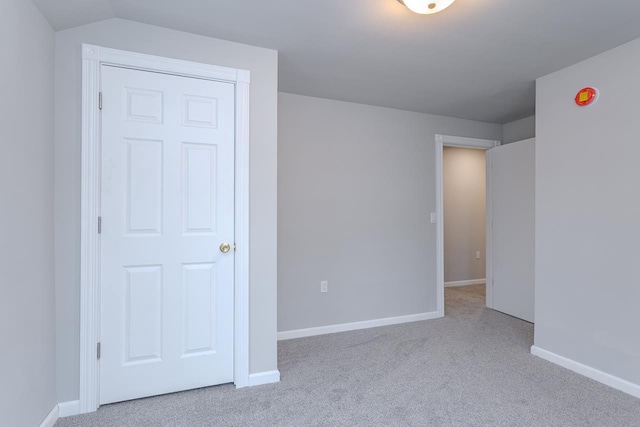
(472, 368)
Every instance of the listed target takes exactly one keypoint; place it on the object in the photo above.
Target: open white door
(512, 170)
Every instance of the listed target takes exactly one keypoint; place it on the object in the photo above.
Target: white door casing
(94, 58)
(167, 206)
(513, 231)
(457, 141)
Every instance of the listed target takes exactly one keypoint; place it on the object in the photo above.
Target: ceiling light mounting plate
(426, 7)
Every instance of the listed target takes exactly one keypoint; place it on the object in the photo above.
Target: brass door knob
(225, 247)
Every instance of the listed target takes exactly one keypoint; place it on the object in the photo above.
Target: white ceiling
(476, 60)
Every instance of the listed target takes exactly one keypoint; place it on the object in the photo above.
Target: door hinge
(99, 224)
(100, 100)
(234, 247)
(98, 351)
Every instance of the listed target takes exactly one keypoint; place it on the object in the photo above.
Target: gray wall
(356, 185)
(127, 35)
(464, 189)
(519, 130)
(27, 358)
(588, 214)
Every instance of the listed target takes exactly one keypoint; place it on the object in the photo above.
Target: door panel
(167, 205)
(513, 214)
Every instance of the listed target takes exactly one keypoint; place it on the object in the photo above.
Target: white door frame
(93, 57)
(480, 144)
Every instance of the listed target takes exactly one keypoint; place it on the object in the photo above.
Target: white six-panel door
(167, 206)
(513, 230)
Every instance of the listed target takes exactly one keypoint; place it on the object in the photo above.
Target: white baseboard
(261, 378)
(588, 371)
(50, 419)
(68, 409)
(465, 283)
(344, 327)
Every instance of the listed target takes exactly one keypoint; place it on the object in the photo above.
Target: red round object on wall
(587, 96)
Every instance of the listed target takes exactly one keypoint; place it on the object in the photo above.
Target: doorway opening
(464, 188)
(468, 252)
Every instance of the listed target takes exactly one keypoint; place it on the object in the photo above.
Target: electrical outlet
(434, 217)
(324, 286)
(477, 254)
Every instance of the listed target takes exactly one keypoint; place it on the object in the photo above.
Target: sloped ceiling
(476, 60)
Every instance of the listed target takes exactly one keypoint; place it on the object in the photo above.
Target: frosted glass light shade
(427, 7)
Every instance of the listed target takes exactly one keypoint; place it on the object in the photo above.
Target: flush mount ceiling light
(427, 7)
